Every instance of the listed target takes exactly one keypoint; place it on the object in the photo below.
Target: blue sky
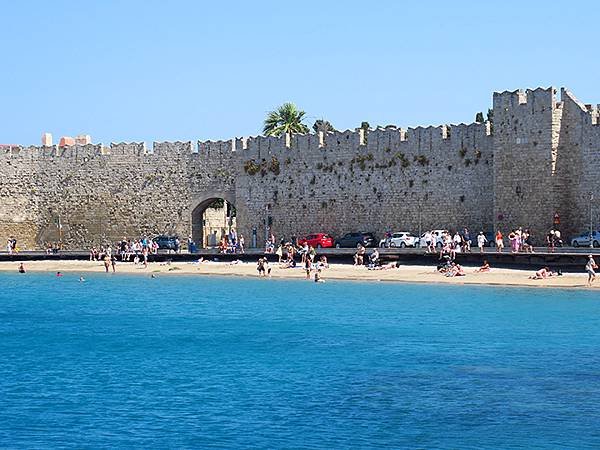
(188, 70)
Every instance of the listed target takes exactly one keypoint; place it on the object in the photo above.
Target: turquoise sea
(191, 362)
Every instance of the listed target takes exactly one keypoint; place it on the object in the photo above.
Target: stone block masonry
(538, 159)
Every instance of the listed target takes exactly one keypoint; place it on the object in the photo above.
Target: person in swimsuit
(485, 267)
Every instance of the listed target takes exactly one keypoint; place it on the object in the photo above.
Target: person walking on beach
(589, 267)
(262, 266)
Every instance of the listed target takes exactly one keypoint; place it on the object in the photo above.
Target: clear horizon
(147, 71)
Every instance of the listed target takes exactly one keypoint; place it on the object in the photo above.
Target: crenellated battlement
(531, 99)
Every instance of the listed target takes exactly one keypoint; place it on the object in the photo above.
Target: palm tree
(322, 125)
(285, 119)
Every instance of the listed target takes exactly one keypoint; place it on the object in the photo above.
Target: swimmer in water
(318, 278)
(58, 274)
(81, 279)
(152, 276)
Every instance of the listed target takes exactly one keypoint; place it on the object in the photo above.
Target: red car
(317, 240)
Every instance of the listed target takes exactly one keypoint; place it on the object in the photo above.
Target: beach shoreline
(403, 274)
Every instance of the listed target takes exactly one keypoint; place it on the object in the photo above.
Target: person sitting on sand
(359, 256)
(323, 264)
(455, 271)
(445, 266)
(374, 258)
(485, 267)
(21, 268)
(541, 274)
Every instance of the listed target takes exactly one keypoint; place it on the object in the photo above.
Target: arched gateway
(199, 206)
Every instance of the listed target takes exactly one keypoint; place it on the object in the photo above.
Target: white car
(399, 239)
(438, 239)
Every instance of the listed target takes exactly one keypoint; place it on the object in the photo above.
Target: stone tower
(526, 136)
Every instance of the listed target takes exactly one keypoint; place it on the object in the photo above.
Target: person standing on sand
(145, 255)
(589, 267)
(106, 262)
(307, 267)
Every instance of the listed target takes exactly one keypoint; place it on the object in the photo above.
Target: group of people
(452, 243)
(373, 258)
(126, 250)
(520, 240)
(231, 243)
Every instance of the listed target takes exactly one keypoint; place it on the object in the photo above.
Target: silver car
(583, 240)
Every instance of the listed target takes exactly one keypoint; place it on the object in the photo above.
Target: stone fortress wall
(537, 161)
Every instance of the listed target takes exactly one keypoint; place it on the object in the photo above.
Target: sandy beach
(404, 273)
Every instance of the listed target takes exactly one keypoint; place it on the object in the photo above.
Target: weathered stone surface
(539, 160)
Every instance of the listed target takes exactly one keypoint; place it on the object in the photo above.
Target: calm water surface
(187, 362)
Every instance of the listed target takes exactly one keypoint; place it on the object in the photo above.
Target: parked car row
(402, 239)
(323, 240)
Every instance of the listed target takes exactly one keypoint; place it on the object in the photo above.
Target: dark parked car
(167, 242)
(353, 239)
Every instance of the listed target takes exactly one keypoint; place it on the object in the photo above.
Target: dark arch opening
(212, 219)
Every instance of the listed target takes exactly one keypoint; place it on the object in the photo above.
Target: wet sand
(408, 273)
